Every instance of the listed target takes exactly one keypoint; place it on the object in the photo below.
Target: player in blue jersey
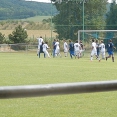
(54, 47)
(41, 50)
(71, 48)
(98, 49)
(110, 48)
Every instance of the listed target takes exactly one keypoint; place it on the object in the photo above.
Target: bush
(19, 35)
(2, 38)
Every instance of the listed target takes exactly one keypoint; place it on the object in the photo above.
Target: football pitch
(27, 69)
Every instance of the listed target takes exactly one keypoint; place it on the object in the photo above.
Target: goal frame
(79, 31)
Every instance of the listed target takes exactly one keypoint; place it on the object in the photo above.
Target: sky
(49, 1)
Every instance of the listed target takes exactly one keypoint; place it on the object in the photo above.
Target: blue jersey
(97, 47)
(71, 46)
(54, 47)
(41, 48)
(110, 47)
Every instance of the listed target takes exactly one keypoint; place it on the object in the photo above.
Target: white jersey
(94, 46)
(57, 45)
(102, 47)
(45, 47)
(65, 45)
(77, 46)
(40, 40)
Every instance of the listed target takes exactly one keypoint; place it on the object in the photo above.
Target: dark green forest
(19, 9)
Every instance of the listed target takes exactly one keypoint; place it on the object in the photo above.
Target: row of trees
(70, 17)
(19, 9)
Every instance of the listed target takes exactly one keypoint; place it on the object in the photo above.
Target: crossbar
(93, 31)
(56, 89)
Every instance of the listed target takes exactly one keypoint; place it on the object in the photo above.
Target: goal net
(87, 35)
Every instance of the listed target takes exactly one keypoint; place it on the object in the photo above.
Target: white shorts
(39, 47)
(93, 52)
(46, 53)
(77, 52)
(102, 52)
(57, 51)
(65, 50)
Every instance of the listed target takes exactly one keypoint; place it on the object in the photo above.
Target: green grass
(28, 69)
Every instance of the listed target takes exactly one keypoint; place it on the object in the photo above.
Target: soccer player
(65, 47)
(71, 48)
(57, 50)
(93, 50)
(110, 47)
(77, 49)
(102, 49)
(45, 47)
(97, 47)
(82, 48)
(40, 40)
(41, 50)
(54, 47)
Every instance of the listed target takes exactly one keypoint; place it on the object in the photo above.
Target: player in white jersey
(65, 47)
(77, 49)
(57, 50)
(40, 40)
(102, 49)
(93, 50)
(45, 47)
(82, 49)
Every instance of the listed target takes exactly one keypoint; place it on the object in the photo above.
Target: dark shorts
(110, 52)
(71, 52)
(98, 52)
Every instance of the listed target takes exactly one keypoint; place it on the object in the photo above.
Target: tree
(2, 37)
(70, 17)
(19, 35)
(111, 17)
(111, 22)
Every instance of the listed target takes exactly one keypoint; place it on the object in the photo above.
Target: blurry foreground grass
(28, 69)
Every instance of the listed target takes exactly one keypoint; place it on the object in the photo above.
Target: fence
(18, 47)
(56, 89)
(22, 47)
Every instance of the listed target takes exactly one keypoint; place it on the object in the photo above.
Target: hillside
(19, 9)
